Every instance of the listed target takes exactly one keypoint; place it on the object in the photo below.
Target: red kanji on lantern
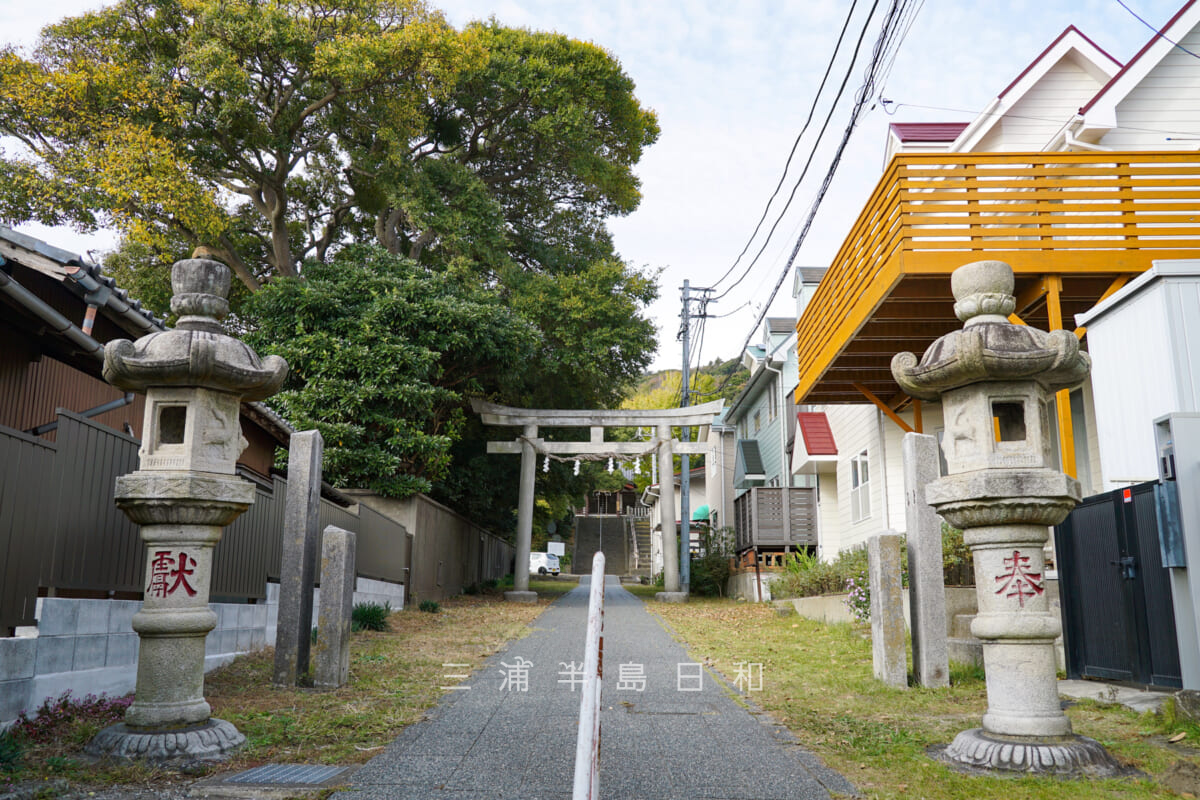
(167, 574)
(1018, 582)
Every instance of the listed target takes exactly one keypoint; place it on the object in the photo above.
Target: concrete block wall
(366, 590)
(89, 647)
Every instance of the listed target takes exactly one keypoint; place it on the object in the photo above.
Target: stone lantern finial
(983, 292)
(201, 292)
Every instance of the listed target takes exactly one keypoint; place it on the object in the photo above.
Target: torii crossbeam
(662, 420)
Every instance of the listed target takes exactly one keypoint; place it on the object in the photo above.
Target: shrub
(67, 720)
(10, 752)
(370, 617)
(709, 575)
(430, 606)
(472, 589)
(958, 565)
(710, 572)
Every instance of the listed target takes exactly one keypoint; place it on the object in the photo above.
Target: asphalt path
(670, 729)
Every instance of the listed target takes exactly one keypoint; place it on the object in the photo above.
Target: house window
(860, 488)
(757, 421)
(772, 405)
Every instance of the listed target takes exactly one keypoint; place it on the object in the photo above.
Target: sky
(732, 83)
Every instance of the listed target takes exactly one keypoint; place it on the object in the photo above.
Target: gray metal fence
(60, 529)
(775, 518)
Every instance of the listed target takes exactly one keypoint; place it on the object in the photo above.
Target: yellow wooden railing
(1067, 213)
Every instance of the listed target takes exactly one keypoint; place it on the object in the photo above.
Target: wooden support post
(918, 423)
(892, 415)
(1066, 432)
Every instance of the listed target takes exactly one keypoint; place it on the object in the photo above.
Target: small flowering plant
(858, 599)
(58, 715)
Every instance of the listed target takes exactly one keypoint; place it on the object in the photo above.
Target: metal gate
(1118, 621)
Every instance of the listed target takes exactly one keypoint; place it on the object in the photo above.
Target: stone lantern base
(214, 740)
(1066, 756)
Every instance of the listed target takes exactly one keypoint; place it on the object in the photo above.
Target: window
(772, 404)
(757, 421)
(860, 488)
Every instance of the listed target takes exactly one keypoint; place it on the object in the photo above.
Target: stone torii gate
(528, 445)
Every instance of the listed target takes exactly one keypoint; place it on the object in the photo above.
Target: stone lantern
(182, 495)
(996, 381)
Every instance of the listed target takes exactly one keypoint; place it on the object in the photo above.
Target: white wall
(1034, 119)
(1167, 100)
(1142, 341)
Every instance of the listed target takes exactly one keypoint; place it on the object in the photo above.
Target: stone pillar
(297, 572)
(926, 577)
(995, 381)
(183, 493)
(521, 593)
(666, 514)
(331, 667)
(888, 650)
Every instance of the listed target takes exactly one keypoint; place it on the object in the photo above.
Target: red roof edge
(1153, 38)
(1050, 47)
(818, 437)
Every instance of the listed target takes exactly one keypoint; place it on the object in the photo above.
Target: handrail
(587, 746)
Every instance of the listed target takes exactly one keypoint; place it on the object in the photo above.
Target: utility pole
(685, 435)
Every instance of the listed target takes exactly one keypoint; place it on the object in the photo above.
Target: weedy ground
(395, 677)
(817, 680)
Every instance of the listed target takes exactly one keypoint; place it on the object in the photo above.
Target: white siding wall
(829, 524)
(1045, 108)
(855, 429)
(1142, 368)
(1167, 100)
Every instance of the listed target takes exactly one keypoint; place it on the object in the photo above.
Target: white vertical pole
(587, 746)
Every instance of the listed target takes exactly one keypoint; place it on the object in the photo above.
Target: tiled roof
(818, 437)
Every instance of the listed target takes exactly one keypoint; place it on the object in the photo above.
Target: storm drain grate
(287, 774)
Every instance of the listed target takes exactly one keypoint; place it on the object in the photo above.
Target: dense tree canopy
(382, 353)
(276, 134)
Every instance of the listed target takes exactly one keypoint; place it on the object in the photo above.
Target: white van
(543, 564)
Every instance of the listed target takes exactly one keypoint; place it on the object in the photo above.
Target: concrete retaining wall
(960, 610)
(740, 586)
(89, 647)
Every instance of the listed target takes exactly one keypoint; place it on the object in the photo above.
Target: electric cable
(795, 144)
(812, 154)
(864, 92)
(1157, 32)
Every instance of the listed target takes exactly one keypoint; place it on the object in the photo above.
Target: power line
(796, 144)
(1157, 32)
(865, 92)
(812, 153)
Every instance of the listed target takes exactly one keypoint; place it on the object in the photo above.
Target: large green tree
(274, 133)
(219, 122)
(382, 353)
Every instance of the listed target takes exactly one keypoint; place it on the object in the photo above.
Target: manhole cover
(290, 774)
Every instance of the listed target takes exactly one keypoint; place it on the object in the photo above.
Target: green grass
(644, 591)
(818, 682)
(396, 675)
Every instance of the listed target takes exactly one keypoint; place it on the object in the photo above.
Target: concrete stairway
(641, 529)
